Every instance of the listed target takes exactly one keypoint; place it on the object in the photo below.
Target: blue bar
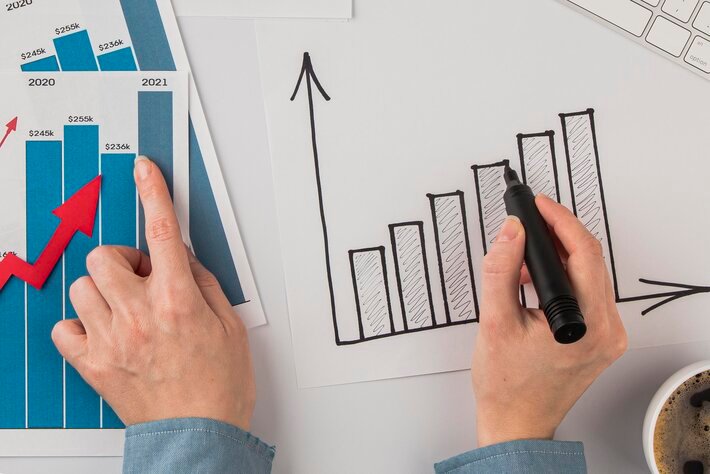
(12, 355)
(210, 245)
(155, 138)
(118, 217)
(44, 307)
(48, 64)
(119, 60)
(75, 52)
(81, 165)
(148, 36)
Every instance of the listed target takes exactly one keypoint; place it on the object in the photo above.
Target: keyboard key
(702, 21)
(680, 9)
(625, 14)
(653, 3)
(668, 36)
(699, 54)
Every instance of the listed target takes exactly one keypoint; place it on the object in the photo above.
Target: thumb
(501, 273)
(69, 336)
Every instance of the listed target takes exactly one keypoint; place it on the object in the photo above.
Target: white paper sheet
(40, 25)
(324, 9)
(420, 93)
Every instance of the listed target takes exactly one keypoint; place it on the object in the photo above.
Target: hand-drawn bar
(490, 188)
(454, 253)
(585, 179)
(412, 270)
(538, 163)
(372, 296)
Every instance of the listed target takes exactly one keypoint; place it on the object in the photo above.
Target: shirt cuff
(519, 456)
(194, 445)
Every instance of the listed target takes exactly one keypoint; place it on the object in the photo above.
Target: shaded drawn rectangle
(412, 269)
(585, 179)
(490, 187)
(374, 309)
(454, 253)
(538, 164)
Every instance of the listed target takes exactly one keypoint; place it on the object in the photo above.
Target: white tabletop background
(393, 426)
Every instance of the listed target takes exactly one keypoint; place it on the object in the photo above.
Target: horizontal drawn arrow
(77, 214)
(10, 127)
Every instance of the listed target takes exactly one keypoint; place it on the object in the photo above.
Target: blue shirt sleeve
(190, 445)
(525, 456)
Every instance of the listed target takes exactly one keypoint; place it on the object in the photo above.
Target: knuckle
(137, 331)
(99, 257)
(79, 288)
(496, 265)
(206, 279)
(161, 229)
(150, 191)
(619, 346)
(592, 245)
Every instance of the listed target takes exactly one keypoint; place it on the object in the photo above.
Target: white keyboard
(676, 29)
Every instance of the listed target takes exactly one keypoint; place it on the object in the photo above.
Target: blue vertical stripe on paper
(48, 64)
(12, 355)
(209, 244)
(81, 165)
(118, 222)
(75, 52)
(44, 307)
(118, 60)
(155, 138)
(148, 35)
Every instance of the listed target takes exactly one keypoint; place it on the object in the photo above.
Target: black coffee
(681, 442)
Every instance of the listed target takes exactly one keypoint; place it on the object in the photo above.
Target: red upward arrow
(11, 127)
(77, 215)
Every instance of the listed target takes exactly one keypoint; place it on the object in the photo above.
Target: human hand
(524, 381)
(156, 336)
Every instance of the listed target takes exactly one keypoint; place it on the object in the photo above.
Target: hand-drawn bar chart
(39, 389)
(413, 275)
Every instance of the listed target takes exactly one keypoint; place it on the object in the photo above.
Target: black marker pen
(544, 265)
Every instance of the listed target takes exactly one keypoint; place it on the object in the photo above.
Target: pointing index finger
(162, 230)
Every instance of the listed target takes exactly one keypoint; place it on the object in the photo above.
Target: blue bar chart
(40, 390)
(142, 35)
(74, 52)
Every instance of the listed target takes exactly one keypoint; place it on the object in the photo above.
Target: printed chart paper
(322, 9)
(69, 130)
(388, 145)
(129, 35)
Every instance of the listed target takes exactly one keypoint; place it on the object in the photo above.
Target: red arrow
(76, 215)
(11, 127)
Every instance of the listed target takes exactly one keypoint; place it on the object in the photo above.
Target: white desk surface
(393, 426)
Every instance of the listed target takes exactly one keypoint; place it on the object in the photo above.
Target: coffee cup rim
(659, 400)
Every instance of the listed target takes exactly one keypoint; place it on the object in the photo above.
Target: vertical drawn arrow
(10, 127)
(77, 214)
(310, 75)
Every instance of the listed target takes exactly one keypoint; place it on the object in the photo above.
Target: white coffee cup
(657, 403)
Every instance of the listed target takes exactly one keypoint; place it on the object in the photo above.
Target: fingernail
(510, 230)
(143, 167)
